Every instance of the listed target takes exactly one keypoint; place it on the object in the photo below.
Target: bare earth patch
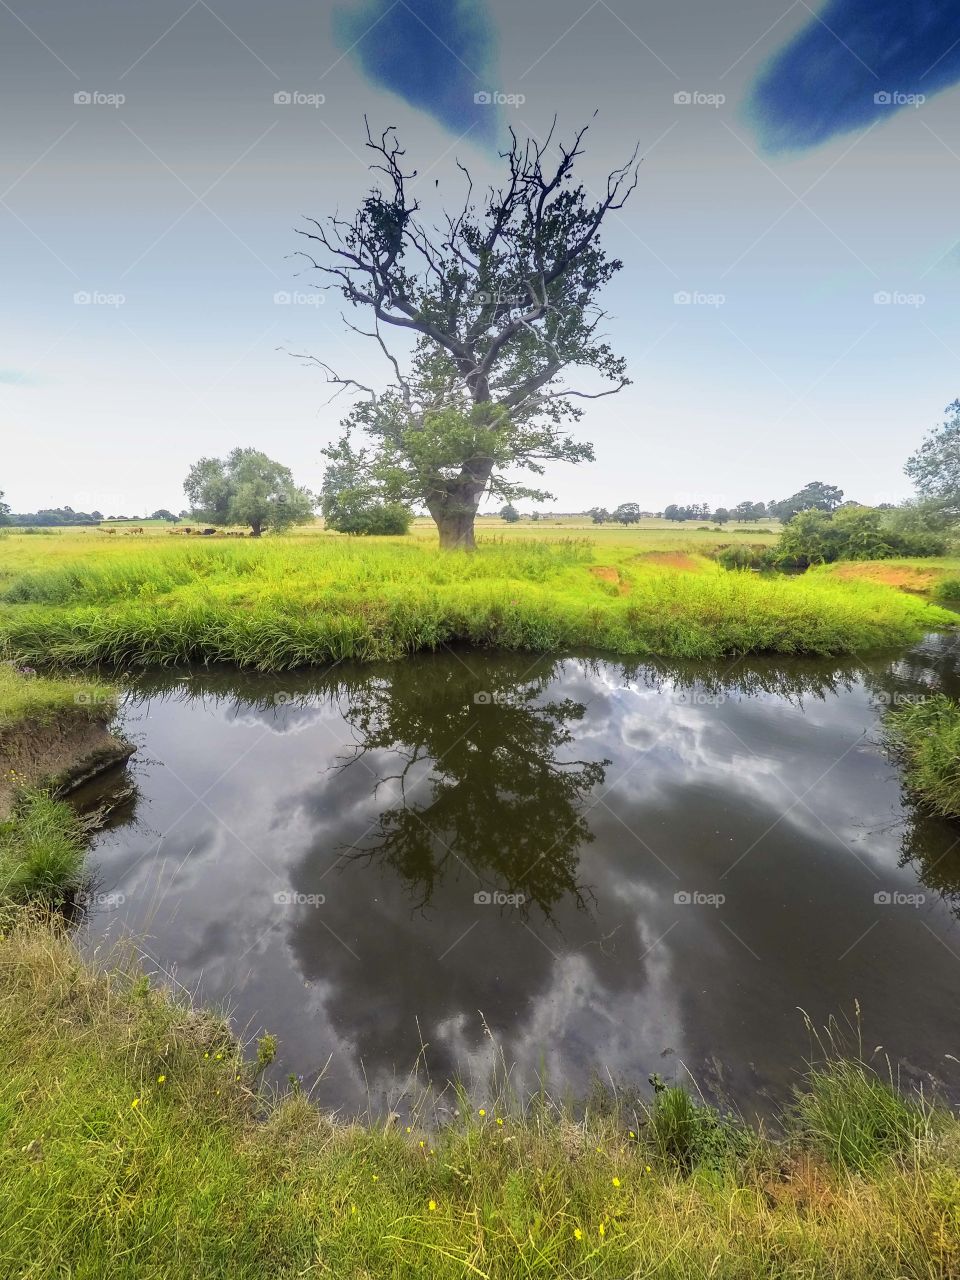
(60, 755)
(907, 577)
(607, 573)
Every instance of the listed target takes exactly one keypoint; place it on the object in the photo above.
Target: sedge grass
(292, 602)
(42, 851)
(926, 736)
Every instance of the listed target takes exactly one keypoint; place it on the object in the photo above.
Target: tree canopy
(816, 494)
(501, 301)
(247, 488)
(935, 467)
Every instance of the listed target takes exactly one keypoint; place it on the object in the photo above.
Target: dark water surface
(614, 868)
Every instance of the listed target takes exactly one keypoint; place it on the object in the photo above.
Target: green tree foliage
(501, 303)
(163, 514)
(52, 516)
(351, 505)
(815, 495)
(721, 515)
(627, 513)
(509, 513)
(599, 515)
(693, 511)
(851, 533)
(4, 510)
(247, 487)
(935, 467)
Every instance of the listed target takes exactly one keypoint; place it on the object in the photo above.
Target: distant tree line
(67, 517)
(813, 496)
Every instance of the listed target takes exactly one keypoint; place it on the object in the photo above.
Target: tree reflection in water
(487, 778)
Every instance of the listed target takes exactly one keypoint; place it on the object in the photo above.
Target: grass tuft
(42, 850)
(926, 735)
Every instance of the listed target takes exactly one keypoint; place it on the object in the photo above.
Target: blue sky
(798, 189)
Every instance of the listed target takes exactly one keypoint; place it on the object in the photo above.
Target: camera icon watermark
(95, 298)
(887, 699)
(297, 98)
(496, 898)
(107, 901)
(494, 98)
(291, 898)
(686, 298)
(696, 98)
(92, 698)
(694, 898)
(895, 298)
(893, 98)
(494, 698)
(95, 98)
(293, 298)
(701, 698)
(894, 898)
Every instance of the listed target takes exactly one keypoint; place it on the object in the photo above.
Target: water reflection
(699, 848)
(483, 775)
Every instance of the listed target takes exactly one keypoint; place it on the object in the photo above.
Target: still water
(585, 866)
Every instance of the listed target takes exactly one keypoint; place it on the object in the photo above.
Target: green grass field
(313, 597)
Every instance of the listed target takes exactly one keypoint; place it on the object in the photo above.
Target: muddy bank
(60, 754)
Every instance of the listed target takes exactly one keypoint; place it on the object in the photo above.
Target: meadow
(311, 597)
(138, 1137)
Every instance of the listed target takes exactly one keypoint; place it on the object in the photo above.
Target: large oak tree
(501, 302)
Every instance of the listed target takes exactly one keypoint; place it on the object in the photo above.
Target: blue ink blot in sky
(855, 62)
(437, 55)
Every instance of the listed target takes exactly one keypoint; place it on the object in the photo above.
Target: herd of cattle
(187, 529)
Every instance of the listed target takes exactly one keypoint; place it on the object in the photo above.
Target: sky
(787, 305)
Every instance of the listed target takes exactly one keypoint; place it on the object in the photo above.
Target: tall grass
(926, 735)
(42, 850)
(31, 698)
(136, 1142)
(287, 603)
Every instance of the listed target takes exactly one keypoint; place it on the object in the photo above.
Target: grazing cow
(207, 532)
(139, 529)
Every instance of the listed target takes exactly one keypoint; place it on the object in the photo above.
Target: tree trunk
(456, 530)
(255, 528)
(455, 508)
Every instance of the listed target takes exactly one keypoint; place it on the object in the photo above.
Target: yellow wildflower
(432, 1205)
(577, 1233)
(615, 1181)
(161, 1079)
(135, 1103)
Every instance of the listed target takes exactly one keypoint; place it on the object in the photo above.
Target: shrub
(947, 589)
(691, 1134)
(379, 519)
(853, 533)
(755, 556)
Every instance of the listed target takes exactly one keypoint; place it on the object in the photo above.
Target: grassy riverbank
(926, 736)
(296, 601)
(135, 1142)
